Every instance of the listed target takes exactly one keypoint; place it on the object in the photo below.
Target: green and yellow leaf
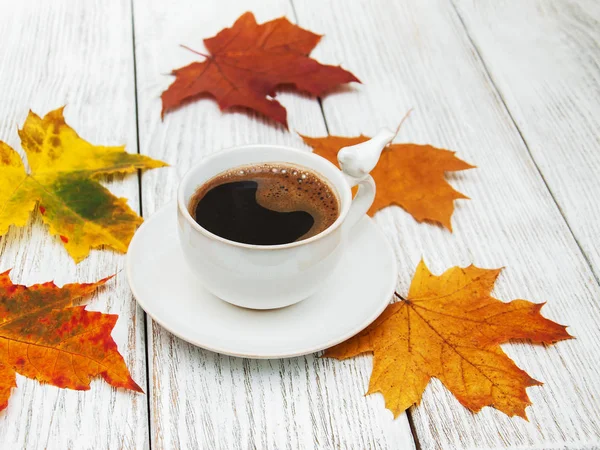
(64, 169)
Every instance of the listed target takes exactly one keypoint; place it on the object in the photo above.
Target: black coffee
(265, 204)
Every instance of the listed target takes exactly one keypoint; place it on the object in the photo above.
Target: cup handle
(357, 162)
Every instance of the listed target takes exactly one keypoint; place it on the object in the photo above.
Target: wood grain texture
(79, 54)
(544, 57)
(201, 399)
(417, 54)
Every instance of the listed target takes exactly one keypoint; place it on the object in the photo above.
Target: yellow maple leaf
(63, 181)
(450, 328)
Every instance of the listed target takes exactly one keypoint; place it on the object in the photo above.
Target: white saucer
(357, 292)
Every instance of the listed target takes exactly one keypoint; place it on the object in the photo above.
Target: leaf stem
(402, 121)
(399, 296)
(194, 51)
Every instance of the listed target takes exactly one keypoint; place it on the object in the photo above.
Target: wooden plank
(417, 54)
(79, 54)
(206, 400)
(543, 56)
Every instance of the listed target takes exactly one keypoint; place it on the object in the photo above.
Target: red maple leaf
(248, 61)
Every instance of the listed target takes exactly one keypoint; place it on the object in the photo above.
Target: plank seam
(323, 114)
(413, 429)
(141, 209)
(320, 100)
(515, 124)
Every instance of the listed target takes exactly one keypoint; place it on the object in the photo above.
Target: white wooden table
(513, 86)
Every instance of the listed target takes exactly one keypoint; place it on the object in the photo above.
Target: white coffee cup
(274, 276)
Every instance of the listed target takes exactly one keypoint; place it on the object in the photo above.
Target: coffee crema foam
(282, 187)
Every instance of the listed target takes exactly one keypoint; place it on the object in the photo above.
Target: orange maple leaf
(450, 328)
(44, 336)
(407, 175)
(248, 61)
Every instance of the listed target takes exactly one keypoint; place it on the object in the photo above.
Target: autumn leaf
(46, 337)
(62, 180)
(407, 175)
(247, 62)
(450, 328)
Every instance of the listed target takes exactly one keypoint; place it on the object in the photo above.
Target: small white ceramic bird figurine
(358, 160)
